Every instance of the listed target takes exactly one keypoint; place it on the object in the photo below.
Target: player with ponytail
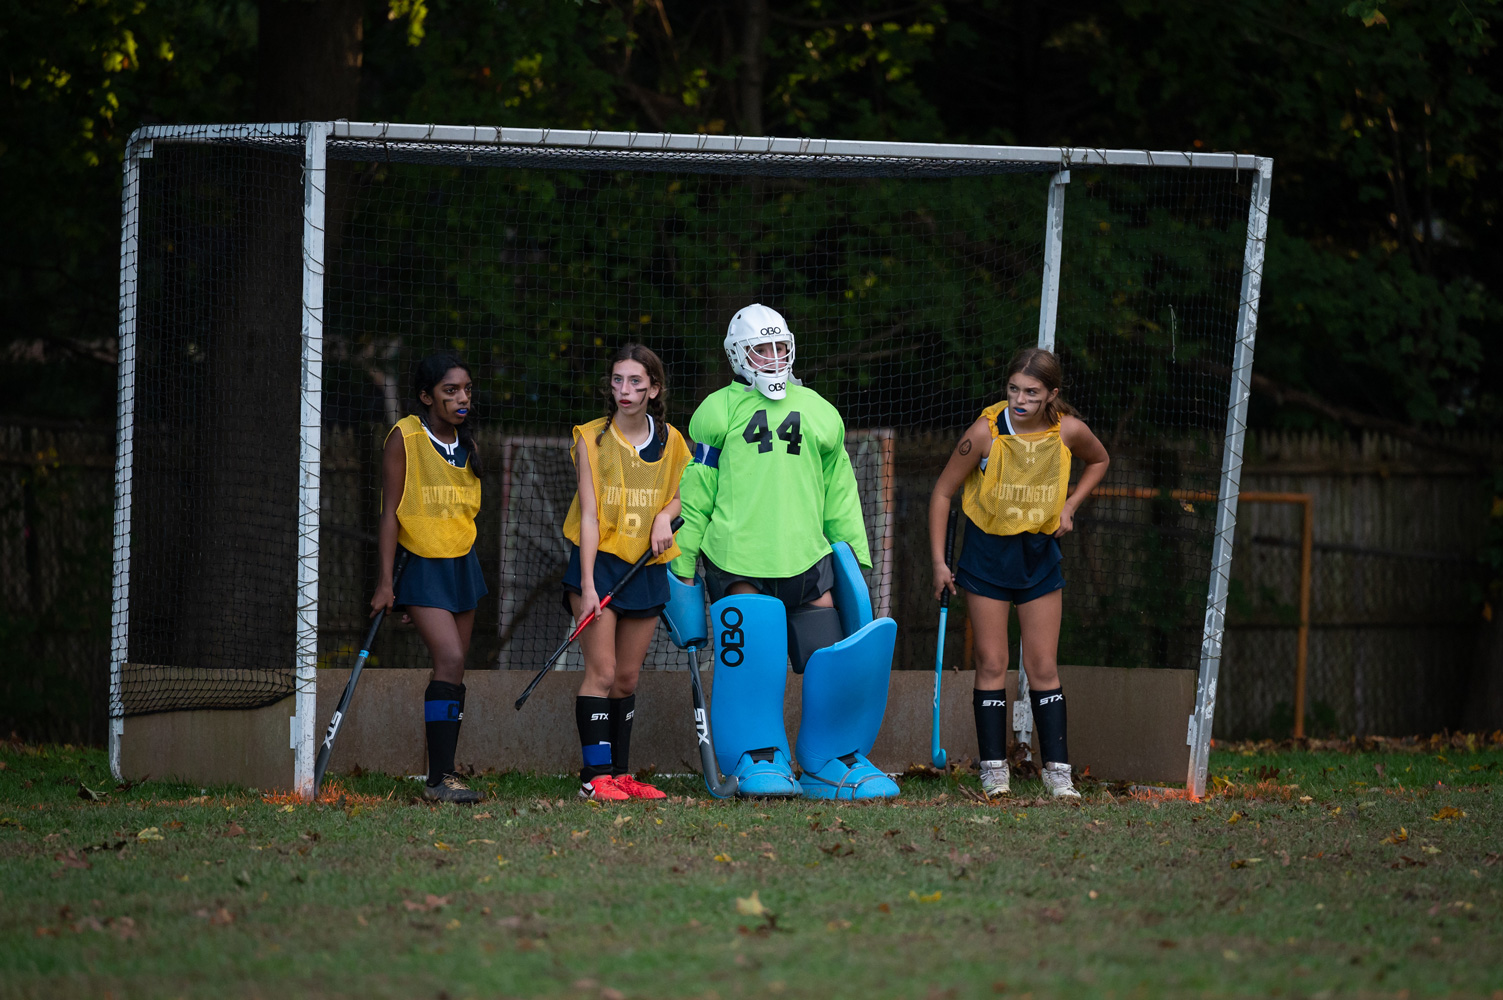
(628, 464)
(1014, 463)
(430, 479)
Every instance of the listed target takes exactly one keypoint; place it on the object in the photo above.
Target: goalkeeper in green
(770, 503)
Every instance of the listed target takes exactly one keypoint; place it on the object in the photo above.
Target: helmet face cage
(756, 327)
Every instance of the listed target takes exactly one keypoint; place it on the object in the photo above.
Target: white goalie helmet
(753, 327)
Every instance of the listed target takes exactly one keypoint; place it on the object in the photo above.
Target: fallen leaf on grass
(428, 905)
(622, 820)
(234, 830)
(442, 846)
(973, 819)
(479, 840)
(1396, 837)
(1448, 812)
(1052, 915)
(1234, 818)
(579, 834)
(839, 850)
(69, 860)
(479, 816)
(750, 906)
(1244, 862)
(1430, 850)
(216, 918)
(933, 897)
(88, 794)
(724, 859)
(150, 833)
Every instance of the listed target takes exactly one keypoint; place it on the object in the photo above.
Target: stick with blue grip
(937, 755)
(327, 747)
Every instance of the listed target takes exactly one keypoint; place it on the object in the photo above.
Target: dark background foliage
(1384, 266)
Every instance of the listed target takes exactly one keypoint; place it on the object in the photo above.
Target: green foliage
(1382, 276)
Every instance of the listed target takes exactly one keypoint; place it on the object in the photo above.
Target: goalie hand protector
(758, 326)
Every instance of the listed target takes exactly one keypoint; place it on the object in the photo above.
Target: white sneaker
(996, 780)
(1057, 780)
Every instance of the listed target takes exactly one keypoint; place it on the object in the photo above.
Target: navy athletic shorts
(643, 597)
(793, 591)
(455, 585)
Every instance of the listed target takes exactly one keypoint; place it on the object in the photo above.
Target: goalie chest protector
(436, 518)
(629, 492)
(1023, 487)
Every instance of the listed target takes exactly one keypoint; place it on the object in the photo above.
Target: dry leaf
(933, 897)
(234, 830)
(579, 834)
(442, 846)
(150, 833)
(478, 816)
(1448, 812)
(428, 905)
(1396, 837)
(751, 906)
(724, 859)
(622, 820)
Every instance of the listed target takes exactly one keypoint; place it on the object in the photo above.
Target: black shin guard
(593, 717)
(991, 723)
(1049, 721)
(622, 710)
(443, 710)
(811, 629)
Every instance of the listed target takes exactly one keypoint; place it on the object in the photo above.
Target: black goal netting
(908, 283)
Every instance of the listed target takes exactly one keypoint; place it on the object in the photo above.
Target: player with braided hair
(430, 491)
(771, 504)
(628, 464)
(1014, 463)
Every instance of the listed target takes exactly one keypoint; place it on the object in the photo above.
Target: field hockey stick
(937, 755)
(720, 786)
(605, 601)
(322, 764)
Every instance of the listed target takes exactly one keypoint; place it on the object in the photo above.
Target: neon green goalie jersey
(780, 490)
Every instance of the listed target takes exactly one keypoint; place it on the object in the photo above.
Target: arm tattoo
(965, 446)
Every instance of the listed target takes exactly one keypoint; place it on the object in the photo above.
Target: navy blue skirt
(643, 597)
(452, 584)
(1009, 562)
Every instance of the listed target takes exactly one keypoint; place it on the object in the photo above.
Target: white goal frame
(316, 135)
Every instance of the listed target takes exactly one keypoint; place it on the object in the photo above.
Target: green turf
(1314, 873)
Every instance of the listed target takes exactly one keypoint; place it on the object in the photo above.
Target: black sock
(622, 710)
(1049, 721)
(443, 710)
(991, 723)
(593, 717)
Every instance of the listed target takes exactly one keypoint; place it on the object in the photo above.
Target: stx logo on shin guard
(992, 703)
(731, 639)
(598, 716)
(1050, 698)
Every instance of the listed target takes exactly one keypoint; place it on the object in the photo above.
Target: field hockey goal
(279, 283)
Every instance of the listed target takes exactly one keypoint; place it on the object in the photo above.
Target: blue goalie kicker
(845, 659)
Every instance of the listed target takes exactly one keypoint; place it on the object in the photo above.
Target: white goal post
(623, 151)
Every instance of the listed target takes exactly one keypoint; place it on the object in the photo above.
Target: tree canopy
(1384, 281)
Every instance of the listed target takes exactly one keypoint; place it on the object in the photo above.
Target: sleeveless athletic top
(1023, 484)
(629, 489)
(436, 518)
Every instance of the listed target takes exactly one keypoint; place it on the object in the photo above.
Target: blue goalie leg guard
(746, 701)
(845, 697)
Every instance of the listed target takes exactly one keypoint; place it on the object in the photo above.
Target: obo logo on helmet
(731, 639)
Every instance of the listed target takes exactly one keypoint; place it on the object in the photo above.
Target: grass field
(1343, 871)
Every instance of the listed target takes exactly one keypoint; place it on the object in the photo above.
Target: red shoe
(603, 788)
(638, 789)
